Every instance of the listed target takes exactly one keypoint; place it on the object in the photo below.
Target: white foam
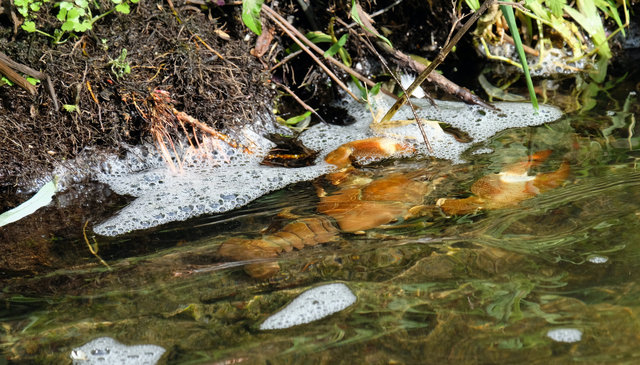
(478, 122)
(230, 177)
(209, 184)
(568, 335)
(311, 305)
(106, 350)
(597, 259)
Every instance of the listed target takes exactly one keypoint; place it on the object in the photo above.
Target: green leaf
(336, 46)
(65, 5)
(33, 81)
(318, 37)
(473, 4)
(556, 6)
(123, 8)
(70, 107)
(42, 198)
(251, 15)
(29, 26)
(366, 23)
(68, 26)
(297, 119)
(6, 81)
(375, 89)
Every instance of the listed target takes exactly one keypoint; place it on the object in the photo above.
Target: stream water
(553, 280)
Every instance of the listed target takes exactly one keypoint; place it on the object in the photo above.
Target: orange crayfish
(361, 203)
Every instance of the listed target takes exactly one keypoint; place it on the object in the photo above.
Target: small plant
(120, 66)
(76, 16)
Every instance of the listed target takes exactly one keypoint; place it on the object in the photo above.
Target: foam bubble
(106, 350)
(597, 259)
(311, 305)
(568, 335)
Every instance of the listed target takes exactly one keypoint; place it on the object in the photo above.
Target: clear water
(506, 286)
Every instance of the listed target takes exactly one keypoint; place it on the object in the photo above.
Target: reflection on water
(549, 281)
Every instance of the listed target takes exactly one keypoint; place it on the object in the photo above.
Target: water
(550, 281)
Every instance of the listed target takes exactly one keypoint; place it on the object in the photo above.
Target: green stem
(507, 11)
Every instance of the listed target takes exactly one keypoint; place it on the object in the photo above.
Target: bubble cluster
(106, 350)
(225, 178)
(568, 335)
(312, 305)
(478, 122)
(204, 185)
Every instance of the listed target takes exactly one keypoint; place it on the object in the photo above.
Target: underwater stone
(568, 335)
(311, 305)
(106, 350)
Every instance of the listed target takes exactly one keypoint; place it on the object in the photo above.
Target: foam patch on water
(226, 178)
(597, 259)
(206, 184)
(568, 335)
(106, 350)
(312, 305)
(478, 122)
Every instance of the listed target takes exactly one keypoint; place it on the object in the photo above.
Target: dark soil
(165, 52)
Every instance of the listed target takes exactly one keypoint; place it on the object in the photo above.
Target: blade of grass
(507, 11)
(42, 198)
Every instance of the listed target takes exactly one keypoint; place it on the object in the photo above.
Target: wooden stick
(438, 60)
(281, 23)
(16, 78)
(304, 105)
(319, 50)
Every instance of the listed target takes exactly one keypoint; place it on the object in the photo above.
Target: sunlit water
(550, 281)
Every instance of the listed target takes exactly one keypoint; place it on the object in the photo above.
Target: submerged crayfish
(361, 203)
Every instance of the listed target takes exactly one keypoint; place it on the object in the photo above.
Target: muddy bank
(197, 56)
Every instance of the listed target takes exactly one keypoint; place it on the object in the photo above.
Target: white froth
(311, 305)
(478, 122)
(568, 335)
(211, 184)
(231, 177)
(597, 259)
(106, 350)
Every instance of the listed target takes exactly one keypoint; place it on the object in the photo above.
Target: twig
(438, 60)
(286, 59)
(16, 78)
(413, 109)
(304, 105)
(91, 249)
(337, 63)
(33, 73)
(93, 96)
(375, 14)
(274, 17)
